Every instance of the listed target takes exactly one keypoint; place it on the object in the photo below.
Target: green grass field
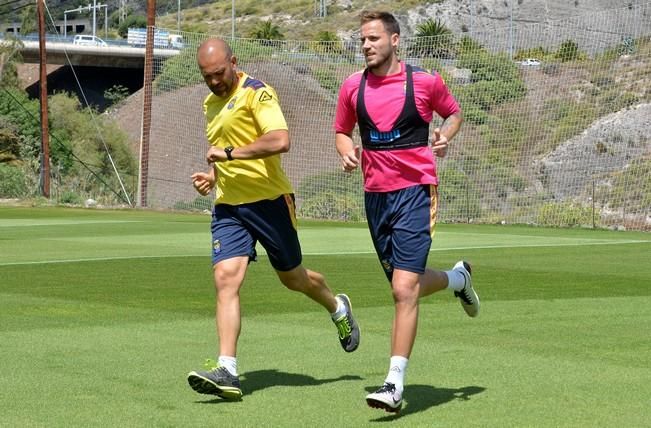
(103, 313)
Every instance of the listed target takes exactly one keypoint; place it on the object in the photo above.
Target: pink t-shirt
(388, 170)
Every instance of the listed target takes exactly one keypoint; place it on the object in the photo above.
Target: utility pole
(45, 132)
(511, 31)
(322, 11)
(232, 19)
(94, 16)
(146, 108)
(471, 18)
(123, 11)
(80, 9)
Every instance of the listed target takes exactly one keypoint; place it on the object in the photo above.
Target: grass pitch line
(59, 222)
(261, 252)
(102, 259)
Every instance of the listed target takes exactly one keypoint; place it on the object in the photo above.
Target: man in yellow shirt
(255, 203)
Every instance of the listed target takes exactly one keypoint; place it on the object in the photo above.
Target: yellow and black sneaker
(216, 380)
(346, 326)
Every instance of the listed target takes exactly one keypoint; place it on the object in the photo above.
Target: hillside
(488, 21)
(513, 156)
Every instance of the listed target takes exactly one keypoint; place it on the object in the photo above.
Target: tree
(132, 21)
(9, 57)
(327, 42)
(266, 30)
(28, 20)
(568, 51)
(433, 38)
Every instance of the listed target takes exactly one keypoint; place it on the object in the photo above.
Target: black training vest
(409, 130)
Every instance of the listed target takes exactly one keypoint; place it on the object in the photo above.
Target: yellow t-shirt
(250, 111)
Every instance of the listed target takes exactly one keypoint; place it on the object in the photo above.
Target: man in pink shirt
(393, 104)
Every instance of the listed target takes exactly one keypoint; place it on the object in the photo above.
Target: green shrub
(179, 71)
(116, 93)
(12, 182)
(70, 198)
(332, 206)
(630, 188)
(568, 51)
(474, 114)
(565, 214)
(332, 195)
(132, 21)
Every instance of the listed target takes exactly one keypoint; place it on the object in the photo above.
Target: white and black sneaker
(387, 398)
(467, 296)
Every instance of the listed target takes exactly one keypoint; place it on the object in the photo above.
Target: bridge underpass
(97, 68)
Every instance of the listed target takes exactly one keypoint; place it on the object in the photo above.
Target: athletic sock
(230, 363)
(456, 280)
(341, 310)
(397, 372)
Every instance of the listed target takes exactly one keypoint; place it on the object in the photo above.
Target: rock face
(608, 145)
(523, 24)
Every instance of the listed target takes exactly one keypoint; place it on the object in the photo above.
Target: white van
(86, 40)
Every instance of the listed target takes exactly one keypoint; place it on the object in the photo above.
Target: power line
(9, 2)
(19, 8)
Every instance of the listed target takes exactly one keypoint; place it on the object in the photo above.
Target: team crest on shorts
(216, 246)
(386, 265)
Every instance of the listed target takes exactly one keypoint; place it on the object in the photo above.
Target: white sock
(456, 281)
(397, 371)
(341, 310)
(229, 362)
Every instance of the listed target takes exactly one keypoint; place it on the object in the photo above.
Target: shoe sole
(203, 385)
(377, 404)
(350, 307)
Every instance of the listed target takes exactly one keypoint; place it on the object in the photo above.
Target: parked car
(86, 40)
(530, 62)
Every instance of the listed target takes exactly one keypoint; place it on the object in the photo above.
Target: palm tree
(433, 38)
(266, 30)
(327, 42)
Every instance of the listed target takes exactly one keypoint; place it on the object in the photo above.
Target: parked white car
(86, 40)
(530, 62)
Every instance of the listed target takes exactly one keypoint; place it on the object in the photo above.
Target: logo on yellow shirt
(265, 96)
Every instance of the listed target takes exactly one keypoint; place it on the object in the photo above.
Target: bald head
(218, 66)
(214, 47)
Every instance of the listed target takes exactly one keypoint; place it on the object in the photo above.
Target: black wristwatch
(229, 150)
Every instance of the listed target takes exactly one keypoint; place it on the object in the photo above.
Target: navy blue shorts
(237, 228)
(401, 224)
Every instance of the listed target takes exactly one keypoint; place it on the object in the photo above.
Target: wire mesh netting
(557, 122)
(556, 125)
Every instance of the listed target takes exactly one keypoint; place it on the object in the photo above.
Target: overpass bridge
(115, 55)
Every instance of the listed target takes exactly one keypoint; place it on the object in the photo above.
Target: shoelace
(387, 387)
(343, 327)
